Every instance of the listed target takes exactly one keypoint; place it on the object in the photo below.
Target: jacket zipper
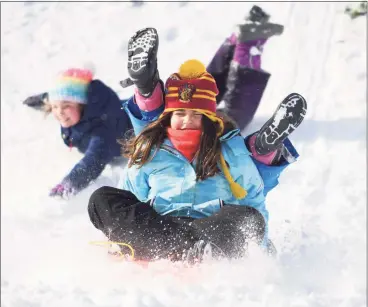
(175, 153)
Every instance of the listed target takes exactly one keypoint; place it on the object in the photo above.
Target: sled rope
(102, 243)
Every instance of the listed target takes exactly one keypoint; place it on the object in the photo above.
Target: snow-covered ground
(317, 214)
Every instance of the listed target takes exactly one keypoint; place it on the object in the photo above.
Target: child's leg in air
(271, 149)
(220, 64)
(245, 81)
(143, 71)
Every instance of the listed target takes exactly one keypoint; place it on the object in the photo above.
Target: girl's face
(186, 119)
(67, 113)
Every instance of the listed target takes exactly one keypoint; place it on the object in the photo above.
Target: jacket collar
(229, 135)
(169, 147)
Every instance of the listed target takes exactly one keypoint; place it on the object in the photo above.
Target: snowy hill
(317, 214)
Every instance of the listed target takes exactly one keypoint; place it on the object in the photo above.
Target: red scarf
(185, 141)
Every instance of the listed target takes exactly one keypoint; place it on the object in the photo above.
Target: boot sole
(254, 31)
(288, 116)
(141, 47)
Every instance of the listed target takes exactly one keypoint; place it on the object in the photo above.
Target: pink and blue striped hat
(71, 85)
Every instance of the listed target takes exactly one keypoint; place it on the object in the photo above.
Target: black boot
(142, 61)
(256, 14)
(287, 117)
(257, 26)
(36, 101)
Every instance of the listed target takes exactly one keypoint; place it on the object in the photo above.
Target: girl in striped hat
(191, 186)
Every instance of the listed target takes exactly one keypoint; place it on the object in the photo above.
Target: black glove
(36, 101)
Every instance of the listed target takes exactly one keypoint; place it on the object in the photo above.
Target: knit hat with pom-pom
(194, 88)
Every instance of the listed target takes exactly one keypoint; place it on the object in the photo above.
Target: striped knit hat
(71, 85)
(195, 89)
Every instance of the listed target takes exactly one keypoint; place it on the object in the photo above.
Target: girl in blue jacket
(91, 119)
(191, 184)
(100, 121)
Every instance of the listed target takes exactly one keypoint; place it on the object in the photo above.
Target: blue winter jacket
(103, 122)
(269, 174)
(169, 179)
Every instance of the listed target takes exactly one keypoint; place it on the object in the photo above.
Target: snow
(317, 214)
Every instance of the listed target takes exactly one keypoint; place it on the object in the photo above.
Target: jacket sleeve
(271, 173)
(91, 165)
(255, 193)
(136, 181)
(139, 118)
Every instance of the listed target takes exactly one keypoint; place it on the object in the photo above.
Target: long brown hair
(138, 149)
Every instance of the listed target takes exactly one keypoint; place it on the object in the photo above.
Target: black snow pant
(240, 88)
(122, 217)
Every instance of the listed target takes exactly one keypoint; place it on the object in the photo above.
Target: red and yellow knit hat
(195, 89)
